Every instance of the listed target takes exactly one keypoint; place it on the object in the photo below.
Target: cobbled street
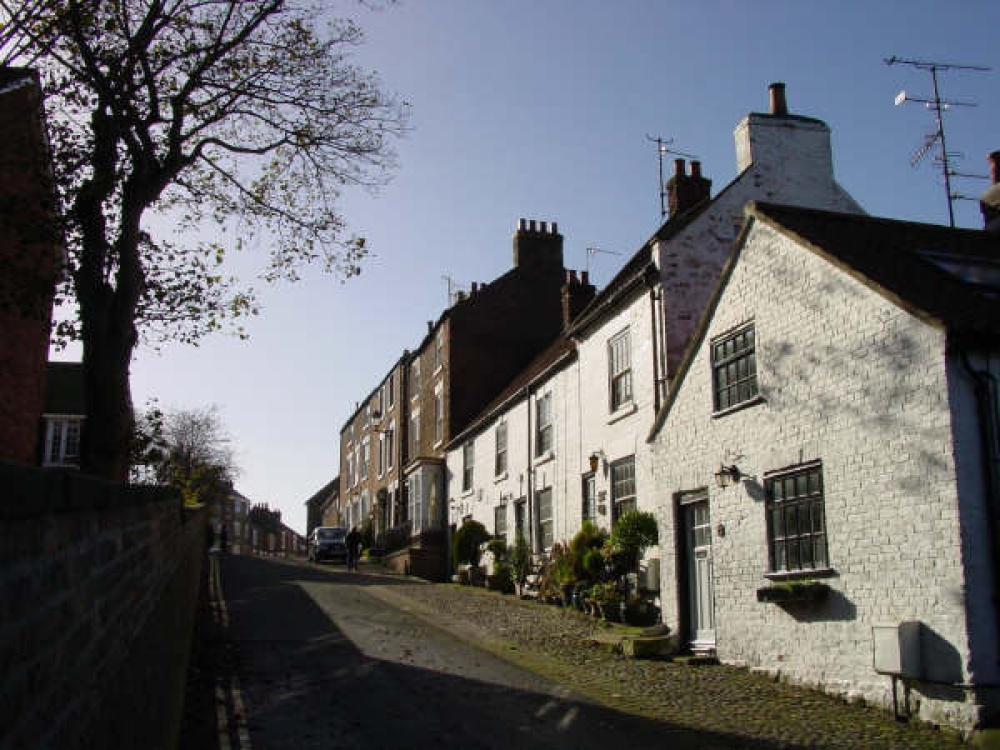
(331, 659)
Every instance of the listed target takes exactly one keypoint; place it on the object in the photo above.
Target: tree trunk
(107, 354)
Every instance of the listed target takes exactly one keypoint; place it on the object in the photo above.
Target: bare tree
(189, 449)
(245, 114)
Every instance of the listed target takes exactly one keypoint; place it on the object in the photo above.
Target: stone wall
(98, 591)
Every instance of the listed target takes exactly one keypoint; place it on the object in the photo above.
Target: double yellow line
(230, 711)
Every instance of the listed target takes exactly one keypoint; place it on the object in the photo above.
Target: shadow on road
(307, 684)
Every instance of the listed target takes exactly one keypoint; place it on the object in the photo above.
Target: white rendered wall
(853, 381)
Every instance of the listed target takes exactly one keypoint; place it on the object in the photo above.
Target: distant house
(323, 507)
(267, 535)
(372, 453)
(468, 356)
(30, 254)
(826, 466)
(63, 416)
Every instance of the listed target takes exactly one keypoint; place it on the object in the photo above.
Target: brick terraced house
(31, 251)
(469, 354)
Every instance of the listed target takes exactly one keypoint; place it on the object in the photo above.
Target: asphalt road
(325, 662)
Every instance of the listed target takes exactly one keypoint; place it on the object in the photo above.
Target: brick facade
(29, 255)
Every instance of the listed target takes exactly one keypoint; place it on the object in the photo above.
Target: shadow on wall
(835, 607)
(942, 664)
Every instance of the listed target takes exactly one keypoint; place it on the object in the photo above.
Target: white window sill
(622, 412)
(758, 399)
(500, 477)
(468, 493)
(543, 459)
(438, 444)
(790, 575)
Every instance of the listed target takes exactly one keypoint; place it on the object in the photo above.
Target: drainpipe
(529, 500)
(652, 278)
(986, 407)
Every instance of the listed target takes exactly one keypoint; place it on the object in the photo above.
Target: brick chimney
(577, 293)
(684, 190)
(538, 246)
(989, 201)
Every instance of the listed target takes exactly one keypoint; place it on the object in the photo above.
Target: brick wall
(28, 254)
(98, 590)
(853, 381)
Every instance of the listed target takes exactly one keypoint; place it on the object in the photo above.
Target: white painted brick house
(508, 469)
(654, 303)
(631, 337)
(844, 376)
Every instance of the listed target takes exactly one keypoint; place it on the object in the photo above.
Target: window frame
(809, 492)
(620, 393)
(415, 378)
(729, 363)
(500, 528)
(62, 441)
(630, 501)
(588, 500)
(545, 523)
(438, 415)
(500, 451)
(468, 465)
(543, 431)
(414, 433)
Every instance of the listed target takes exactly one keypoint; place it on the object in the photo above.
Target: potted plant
(607, 599)
(520, 563)
(466, 547)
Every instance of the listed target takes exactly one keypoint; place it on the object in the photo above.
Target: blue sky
(540, 110)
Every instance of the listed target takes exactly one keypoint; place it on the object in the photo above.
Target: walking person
(353, 540)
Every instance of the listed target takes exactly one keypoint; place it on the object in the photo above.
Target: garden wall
(98, 591)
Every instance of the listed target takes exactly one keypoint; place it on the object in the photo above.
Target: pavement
(570, 649)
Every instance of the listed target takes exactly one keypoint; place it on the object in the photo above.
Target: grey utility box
(896, 649)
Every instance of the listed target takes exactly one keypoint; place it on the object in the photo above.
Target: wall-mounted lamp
(727, 475)
(595, 459)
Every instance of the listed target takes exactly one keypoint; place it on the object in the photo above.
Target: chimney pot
(532, 225)
(695, 168)
(522, 224)
(430, 326)
(475, 287)
(544, 227)
(779, 106)
(555, 228)
(585, 277)
(679, 167)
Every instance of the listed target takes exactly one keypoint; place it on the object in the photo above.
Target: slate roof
(323, 494)
(64, 388)
(949, 278)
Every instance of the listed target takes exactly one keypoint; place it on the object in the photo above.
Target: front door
(698, 556)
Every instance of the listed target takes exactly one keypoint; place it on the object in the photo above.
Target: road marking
(229, 706)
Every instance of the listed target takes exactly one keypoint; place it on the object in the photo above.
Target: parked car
(328, 543)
